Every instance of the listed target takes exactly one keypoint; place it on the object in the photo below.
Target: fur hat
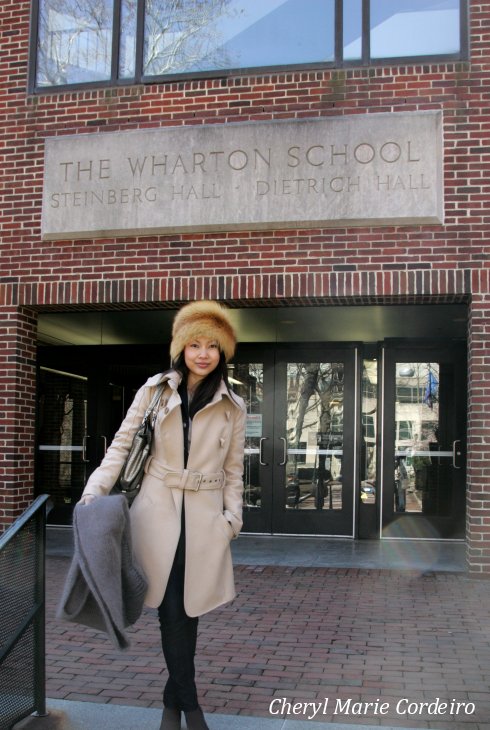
(203, 319)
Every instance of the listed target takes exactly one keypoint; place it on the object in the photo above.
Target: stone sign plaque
(365, 169)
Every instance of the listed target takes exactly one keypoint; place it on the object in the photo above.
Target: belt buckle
(191, 480)
(196, 482)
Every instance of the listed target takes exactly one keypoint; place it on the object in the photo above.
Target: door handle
(284, 453)
(104, 439)
(261, 453)
(456, 453)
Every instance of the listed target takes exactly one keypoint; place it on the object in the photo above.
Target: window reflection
(414, 28)
(315, 397)
(127, 41)
(198, 36)
(75, 37)
(352, 29)
(247, 380)
(61, 433)
(183, 36)
(75, 41)
(420, 464)
(368, 443)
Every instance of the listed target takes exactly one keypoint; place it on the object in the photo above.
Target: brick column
(478, 478)
(17, 412)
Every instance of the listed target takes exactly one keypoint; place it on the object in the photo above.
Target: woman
(190, 503)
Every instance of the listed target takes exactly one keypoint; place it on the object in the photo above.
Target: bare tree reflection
(182, 35)
(247, 380)
(315, 406)
(75, 40)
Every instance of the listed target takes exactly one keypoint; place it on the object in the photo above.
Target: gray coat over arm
(104, 589)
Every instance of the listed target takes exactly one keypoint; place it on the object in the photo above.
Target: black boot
(195, 720)
(170, 719)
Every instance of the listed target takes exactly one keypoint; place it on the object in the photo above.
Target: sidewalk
(341, 636)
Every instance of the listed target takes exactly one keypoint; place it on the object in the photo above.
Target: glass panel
(127, 45)
(248, 381)
(192, 35)
(369, 420)
(352, 24)
(315, 398)
(62, 424)
(421, 473)
(75, 41)
(414, 27)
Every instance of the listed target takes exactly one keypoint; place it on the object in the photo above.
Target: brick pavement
(306, 635)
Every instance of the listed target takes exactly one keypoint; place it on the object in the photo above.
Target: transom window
(78, 42)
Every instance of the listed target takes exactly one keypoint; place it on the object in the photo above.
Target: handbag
(131, 474)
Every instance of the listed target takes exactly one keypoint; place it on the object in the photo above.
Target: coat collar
(173, 378)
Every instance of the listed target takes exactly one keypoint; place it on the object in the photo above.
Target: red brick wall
(478, 467)
(399, 263)
(17, 410)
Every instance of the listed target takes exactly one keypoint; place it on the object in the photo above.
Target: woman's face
(201, 357)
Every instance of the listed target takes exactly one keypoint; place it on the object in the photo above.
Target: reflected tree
(318, 390)
(315, 396)
(247, 380)
(182, 35)
(75, 39)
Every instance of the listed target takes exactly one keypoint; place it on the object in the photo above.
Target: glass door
(424, 443)
(81, 403)
(315, 441)
(61, 464)
(301, 439)
(251, 376)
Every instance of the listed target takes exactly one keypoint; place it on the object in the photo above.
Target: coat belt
(185, 479)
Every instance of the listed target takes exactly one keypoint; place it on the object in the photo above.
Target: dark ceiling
(288, 324)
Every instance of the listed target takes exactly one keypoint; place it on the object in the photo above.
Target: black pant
(179, 636)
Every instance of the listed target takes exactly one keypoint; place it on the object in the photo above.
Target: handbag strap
(153, 403)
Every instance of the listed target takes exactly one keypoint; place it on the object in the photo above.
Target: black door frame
(103, 367)
(273, 517)
(418, 525)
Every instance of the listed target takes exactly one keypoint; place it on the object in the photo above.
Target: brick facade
(398, 264)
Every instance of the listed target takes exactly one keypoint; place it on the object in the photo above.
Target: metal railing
(22, 615)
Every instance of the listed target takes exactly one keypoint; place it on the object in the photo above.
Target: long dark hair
(207, 387)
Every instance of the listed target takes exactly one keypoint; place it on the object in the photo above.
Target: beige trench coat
(213, 513)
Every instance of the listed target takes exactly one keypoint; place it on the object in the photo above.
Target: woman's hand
(86, 498)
